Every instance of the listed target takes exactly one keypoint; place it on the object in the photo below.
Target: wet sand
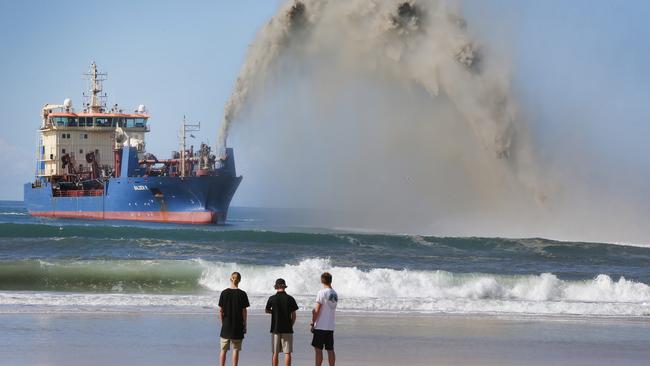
(155, 338)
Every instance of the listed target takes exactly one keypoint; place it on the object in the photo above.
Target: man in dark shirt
(282, 308)
(232, 309)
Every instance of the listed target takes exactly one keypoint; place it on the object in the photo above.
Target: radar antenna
(97, 100)
(184, 129)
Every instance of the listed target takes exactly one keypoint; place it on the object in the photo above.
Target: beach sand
(159, 338)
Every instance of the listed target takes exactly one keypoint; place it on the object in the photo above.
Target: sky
(175, 57)
(579, 69)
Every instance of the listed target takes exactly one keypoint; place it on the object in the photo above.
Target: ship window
(102, 122)
(89, 121)
(82, 121)
(130, 123)
(62, 151)
(85, 136)
(67, 135)
(81, 151)
(120, 121)
(139, 122)
(51, 156)
(60, 121)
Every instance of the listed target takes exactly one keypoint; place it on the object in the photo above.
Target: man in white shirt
(322, 321)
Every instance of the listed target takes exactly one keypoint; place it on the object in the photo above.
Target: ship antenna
(97, 101)
(183, 132)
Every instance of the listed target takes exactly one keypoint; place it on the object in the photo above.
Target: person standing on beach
(322, 321)
(232, 309)
(282, 308)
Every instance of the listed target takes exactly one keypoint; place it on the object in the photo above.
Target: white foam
(351, 282)
(386, 290)
(439, 291)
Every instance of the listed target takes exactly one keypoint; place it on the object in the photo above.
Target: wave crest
(198, 282)
(351, 282)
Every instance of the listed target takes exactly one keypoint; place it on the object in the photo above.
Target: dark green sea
(71, 263)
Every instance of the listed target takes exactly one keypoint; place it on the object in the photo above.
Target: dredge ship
(92, 164)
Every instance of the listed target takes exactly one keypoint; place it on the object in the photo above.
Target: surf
(197, 283)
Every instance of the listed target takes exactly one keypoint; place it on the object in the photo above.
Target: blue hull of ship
(160, 199)
(133, 196)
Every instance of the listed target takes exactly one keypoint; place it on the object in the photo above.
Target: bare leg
(331, 357)
(274, 360)
(319, 356)
(222, 358)
(235, 357)
(287, 359)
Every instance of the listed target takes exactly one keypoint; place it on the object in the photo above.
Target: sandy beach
(150, 338)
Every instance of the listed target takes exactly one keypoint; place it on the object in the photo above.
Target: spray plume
(424, 42)
(267, 48)
(396, 116)
(390, 106)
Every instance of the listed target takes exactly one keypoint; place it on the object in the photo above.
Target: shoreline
(151, 338)
(165, 310)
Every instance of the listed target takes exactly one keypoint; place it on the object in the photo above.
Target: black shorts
(323, 338)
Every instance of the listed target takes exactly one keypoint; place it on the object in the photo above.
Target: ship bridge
(74, 141)
(97, 120)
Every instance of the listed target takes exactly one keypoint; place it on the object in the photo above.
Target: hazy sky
(579, 69)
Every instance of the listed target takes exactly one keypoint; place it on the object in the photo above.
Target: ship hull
(187, 200)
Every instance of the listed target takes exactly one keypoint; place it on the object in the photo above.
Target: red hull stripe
(201, 217)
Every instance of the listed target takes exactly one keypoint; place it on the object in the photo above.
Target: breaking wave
(196, 284)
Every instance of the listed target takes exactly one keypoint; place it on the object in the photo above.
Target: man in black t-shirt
(232, 309)
(282, 308)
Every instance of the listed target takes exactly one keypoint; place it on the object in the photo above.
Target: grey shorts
(282, 342)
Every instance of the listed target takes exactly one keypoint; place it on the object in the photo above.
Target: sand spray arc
(424, 42)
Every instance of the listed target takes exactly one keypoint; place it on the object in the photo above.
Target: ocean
(49, 265)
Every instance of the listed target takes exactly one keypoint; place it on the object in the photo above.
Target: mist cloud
(395, 118)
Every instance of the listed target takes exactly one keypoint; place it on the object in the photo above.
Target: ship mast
(96, 79)
(184, 129)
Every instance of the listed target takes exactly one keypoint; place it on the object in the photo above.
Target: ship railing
(78, 193)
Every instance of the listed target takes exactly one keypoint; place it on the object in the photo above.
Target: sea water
(70, 265)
